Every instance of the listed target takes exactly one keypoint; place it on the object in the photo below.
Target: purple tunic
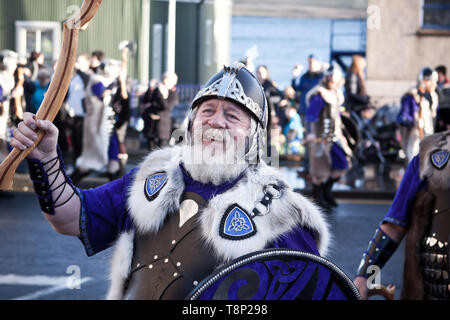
(98, 89)
(408, 109)
(316, 104)
(400, 211)
(207, 191)
(113, 147)
(337, 154)
(104, 214)
(2, 98)
(338, 157)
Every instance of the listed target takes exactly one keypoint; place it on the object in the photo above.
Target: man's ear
(192, 118)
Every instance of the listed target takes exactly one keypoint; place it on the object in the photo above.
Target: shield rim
(265, 253)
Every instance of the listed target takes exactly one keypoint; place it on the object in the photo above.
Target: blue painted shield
(277, 274)
(440, 158)
(154, 184)
(236, 224)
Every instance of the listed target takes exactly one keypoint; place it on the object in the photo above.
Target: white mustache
(215, 135)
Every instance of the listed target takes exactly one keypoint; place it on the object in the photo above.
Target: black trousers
(77, 137)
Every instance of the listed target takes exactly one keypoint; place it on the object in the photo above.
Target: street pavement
(38, 263)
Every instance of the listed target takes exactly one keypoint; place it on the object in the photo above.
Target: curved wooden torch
(57, 90)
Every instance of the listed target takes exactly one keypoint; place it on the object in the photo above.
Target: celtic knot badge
(154, 184)
(236, 224)
(440, 158)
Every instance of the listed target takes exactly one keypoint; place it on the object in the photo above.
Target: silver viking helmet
(332, 73)
(238, 85)
(428, 73)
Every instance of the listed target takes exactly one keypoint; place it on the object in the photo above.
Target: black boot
(328, 196)
(77, 175)
(319, 197)
(114, 175)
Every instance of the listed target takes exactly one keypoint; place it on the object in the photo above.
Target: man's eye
(232, 116)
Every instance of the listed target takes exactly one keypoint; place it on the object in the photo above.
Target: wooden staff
(57, 89)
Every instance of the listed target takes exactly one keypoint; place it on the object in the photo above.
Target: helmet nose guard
(236, 84)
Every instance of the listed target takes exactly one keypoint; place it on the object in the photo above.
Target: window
(436, 14)
(41, 36)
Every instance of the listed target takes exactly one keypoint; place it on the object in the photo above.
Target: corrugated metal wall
(119, 20)
(116, 20)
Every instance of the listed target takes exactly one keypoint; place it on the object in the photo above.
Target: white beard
(214, 163)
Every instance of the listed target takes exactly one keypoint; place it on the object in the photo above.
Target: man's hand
(25, 135)
(361, 285)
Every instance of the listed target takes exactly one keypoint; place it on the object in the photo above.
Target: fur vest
(286, 212)
(334, 99)
(429, 111)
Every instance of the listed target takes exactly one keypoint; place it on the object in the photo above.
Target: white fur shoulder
(149, 215)
(286, 212)
(333, 97)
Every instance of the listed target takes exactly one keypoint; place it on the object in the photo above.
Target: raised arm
(58, 199)
(57, 90)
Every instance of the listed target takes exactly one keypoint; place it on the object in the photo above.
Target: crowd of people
(95, 115)
(314, 117)
(308, 118)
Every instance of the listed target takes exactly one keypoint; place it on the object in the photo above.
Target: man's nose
(217, 120)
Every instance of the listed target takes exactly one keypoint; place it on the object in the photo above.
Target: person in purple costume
(420, 213)
(100, 147)
(418, 111)
(329, 152)
(186, 209)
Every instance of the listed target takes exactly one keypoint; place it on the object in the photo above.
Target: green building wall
(119, 20)
(115, 21)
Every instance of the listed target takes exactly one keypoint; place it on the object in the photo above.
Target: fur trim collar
(286, 212)
(290, 210)
(332, 97)
(414, 92)
(148, 216)
(121, 265)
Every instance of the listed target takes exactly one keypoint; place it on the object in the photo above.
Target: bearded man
(418, 112)
(188, 209)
